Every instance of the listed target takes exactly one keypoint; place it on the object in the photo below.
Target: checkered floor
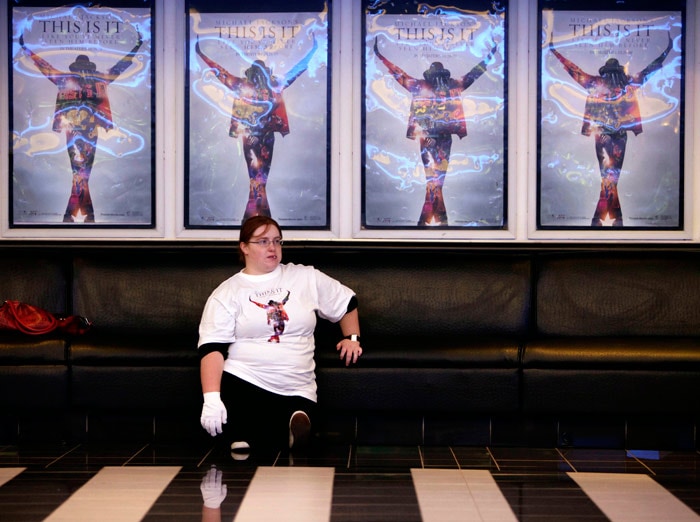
(130, 482)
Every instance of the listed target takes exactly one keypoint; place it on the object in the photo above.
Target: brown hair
(249, 227)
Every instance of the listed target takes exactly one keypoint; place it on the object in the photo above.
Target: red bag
(32, 320)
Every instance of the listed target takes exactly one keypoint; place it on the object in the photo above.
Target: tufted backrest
(40, 279)
(148, 292)
(620, 294)
(432, 292)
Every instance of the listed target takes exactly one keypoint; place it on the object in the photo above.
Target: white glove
(213, 491)
(214, 414)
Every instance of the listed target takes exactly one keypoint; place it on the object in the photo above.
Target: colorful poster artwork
(611, 127)
(81, 118)
(258, 119)
(434, 126)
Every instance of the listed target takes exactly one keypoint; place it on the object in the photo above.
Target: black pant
(257, 416)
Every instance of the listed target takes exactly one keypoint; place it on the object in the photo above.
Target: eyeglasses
(264, 242)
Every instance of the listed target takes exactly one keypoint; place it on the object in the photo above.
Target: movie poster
(611, 119)
(258, 118)
(81, 118)
(434, 121)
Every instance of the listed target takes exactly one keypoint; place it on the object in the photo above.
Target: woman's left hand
(350, 351)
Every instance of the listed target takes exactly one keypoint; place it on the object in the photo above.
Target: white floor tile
(460, 495)
(633, 498)
(116, 494)
(289, 494)
(7, 474)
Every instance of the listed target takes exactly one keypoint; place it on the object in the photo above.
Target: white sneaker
(240, 450)
(299, 429)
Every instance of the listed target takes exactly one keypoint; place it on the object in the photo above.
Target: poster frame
(134, 134)
(320, 219)
(674, 70)
(408, 225)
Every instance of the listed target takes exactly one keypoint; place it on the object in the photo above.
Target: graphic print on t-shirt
(276, 314)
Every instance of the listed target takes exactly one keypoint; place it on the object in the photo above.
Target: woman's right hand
(214, 414)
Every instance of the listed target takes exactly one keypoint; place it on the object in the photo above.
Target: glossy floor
(128, 482)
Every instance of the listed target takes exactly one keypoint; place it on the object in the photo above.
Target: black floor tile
(547, 497)
(374, 496)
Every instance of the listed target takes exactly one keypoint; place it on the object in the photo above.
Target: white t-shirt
(269, 322)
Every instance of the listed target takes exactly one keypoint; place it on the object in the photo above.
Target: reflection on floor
(129, 482)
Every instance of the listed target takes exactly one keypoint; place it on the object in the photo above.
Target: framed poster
(81, 114)
(610, 113)
(434, 137)
(258, 114)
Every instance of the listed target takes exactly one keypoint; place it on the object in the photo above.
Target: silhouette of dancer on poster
(82, 107)
(258, 112)
(436, 114)
(611, 110)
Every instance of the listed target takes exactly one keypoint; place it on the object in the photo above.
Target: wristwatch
(353, 337)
